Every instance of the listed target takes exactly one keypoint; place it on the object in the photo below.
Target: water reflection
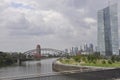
(28, 68)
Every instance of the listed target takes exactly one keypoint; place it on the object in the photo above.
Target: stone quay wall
(58, 66)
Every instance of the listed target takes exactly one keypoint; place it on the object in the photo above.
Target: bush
(84, 59)
(91, 57)
(103, 62)
(109, 61)
(67, 61)
(77, 58)
(94, 62)
(113, 59)
(117, 58)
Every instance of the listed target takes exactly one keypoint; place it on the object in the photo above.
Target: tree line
(9, 58)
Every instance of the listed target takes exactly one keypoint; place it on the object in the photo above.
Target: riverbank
(92, 60)
(58, 66)
(100, 63)
(6, 59)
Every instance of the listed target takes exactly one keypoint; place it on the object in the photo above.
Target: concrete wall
(58, 66)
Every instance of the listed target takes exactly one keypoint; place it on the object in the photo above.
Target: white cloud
(51, 23)
(89, 20)
(51, 15)
(82, 11)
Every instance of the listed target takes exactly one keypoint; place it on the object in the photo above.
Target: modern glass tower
(108, 43)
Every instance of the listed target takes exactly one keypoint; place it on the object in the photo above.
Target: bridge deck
(113, 74)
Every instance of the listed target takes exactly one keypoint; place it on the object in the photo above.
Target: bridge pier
(19, 61)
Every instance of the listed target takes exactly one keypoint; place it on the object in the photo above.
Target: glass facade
(108, 31)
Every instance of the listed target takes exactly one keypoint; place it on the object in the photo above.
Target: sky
(57, 24)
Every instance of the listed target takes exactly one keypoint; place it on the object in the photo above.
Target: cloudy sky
(56, 24)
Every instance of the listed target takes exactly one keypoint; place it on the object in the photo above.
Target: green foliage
(115, 58)
(84, 59)
(77, 58)
(103, 62)
(67, 61)
(110, 61)
(68, 57)
(91, 58)
(94, 62)
(6, 59)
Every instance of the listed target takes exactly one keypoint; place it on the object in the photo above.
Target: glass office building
(108, 43)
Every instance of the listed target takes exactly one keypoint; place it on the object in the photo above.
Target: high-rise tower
(108, 31)
(37, 54)
(38, 49)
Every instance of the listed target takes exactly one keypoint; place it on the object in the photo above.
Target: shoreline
(58, 66)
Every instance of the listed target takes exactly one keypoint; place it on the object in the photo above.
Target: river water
(28, 68)
(44, 67)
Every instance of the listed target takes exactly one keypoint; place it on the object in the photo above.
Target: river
(28, 68)
(44, 67)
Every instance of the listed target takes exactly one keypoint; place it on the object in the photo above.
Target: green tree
(6, 59)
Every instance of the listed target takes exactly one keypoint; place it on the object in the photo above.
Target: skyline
(50, 23)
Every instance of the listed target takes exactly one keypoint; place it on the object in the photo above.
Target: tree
(6, 59)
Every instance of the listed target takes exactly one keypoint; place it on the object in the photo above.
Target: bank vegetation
(92, 60)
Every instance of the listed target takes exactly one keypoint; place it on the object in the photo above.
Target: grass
(116, 64)
(98, 63)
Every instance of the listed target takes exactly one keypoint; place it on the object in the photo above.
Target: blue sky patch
(20, 5)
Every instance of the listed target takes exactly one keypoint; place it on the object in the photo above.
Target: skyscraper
(74, 50)
(86, 49)
(91, 48)
(108, 31)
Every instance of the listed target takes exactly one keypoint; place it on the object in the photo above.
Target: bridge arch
(46, 51)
